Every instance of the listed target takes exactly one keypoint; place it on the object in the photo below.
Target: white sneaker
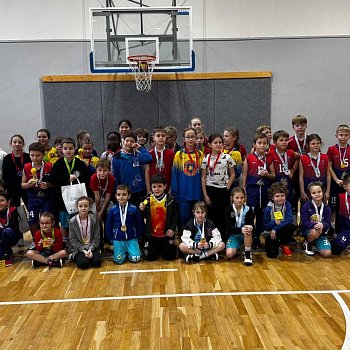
(248, 258)
(308, 248)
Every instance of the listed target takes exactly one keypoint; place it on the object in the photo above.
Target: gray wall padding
(98, 107)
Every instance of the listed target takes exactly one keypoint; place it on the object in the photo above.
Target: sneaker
(286, 251)
(189, 258)
(32, 246)
(214, 257)
(293, 241)
(330, 232)
(308, 248)
(35, 263)
(248, 258)
(8, 262)
(54, 263)
(256, 243)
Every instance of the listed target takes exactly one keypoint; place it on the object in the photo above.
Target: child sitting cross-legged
(48, 244)
(200, 238)
(278, 221)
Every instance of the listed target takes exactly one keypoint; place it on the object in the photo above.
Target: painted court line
(346, 311)
(136, 271)
(157, 296)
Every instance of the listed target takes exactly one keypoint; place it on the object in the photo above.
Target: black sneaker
(256, 243)
(36, 263)
(330, 232)
(308, 248)
(248, 258)
(293, 241)
(190, 258)
(214, 257)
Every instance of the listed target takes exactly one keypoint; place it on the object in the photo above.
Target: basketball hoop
(142, 66)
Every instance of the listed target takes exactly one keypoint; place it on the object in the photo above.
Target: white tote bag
(70, 194)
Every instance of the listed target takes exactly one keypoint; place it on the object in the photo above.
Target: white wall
(67, 19)
(311, 79)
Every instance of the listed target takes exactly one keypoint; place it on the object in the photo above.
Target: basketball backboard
(120, 32)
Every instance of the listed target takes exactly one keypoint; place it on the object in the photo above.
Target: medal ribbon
(100, 190)
(70, 168)
(262, 159)
(347, 204)
(14, 161)
(319, 214)
(284, 160)
(298, 144)
(84, 235)
(41, 170)
(239, 216)
(52, 234)
(342, 158)
(123, 213)
(200, 228)
(161, 163)
(216, 161)
(196, 156)
(316, 168)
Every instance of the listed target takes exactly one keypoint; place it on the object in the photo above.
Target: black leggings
(84, 263)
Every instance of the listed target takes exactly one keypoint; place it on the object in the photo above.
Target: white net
(142, 66)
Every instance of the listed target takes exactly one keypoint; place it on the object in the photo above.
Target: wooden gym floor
(288, 303)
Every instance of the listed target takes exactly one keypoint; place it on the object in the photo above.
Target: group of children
(210, 192)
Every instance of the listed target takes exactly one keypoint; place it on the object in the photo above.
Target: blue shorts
(37, 206)
(235, 242)
(64, 218)
(321, 243)
(128, 248)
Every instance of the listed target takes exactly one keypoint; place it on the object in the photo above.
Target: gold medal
(203, 240)
(145, 202)
(123, 228)
(342, 165)
(278, 215)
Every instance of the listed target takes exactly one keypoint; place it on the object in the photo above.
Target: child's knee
(119, 259)
(231, 252)
(30, 254)
(135, 258)
(325, 253)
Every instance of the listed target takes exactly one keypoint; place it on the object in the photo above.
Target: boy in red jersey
(258, 171)
(160, 211)
(339, 156)
(35, 179)
(162, 159)
(284, 161)
(297, 143)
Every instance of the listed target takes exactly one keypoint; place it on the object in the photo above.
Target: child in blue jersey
(342, 223)
(200, 237)
(278, 221)
(239, 226)
(186, 176)
(124, 227)
(258, 172)
(315, 218)
(128, 167)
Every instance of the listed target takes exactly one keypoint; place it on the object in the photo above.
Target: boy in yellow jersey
(160, 211)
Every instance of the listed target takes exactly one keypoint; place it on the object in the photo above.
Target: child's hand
(32, 182)
(318, 226)
(247, 229)
(136, 145)
(207, 199)
(206, 245)
(273, 234)
(49, 241)
(277, 222)
(40, 242)
(263, 173)
(170, 233)
(339, 182)
(89, 256)
(86, 253)
(100, 216)
(326, 196)
(291, 174)
(142, 206)
(43, 185)
(304, 196)
(72, 177)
